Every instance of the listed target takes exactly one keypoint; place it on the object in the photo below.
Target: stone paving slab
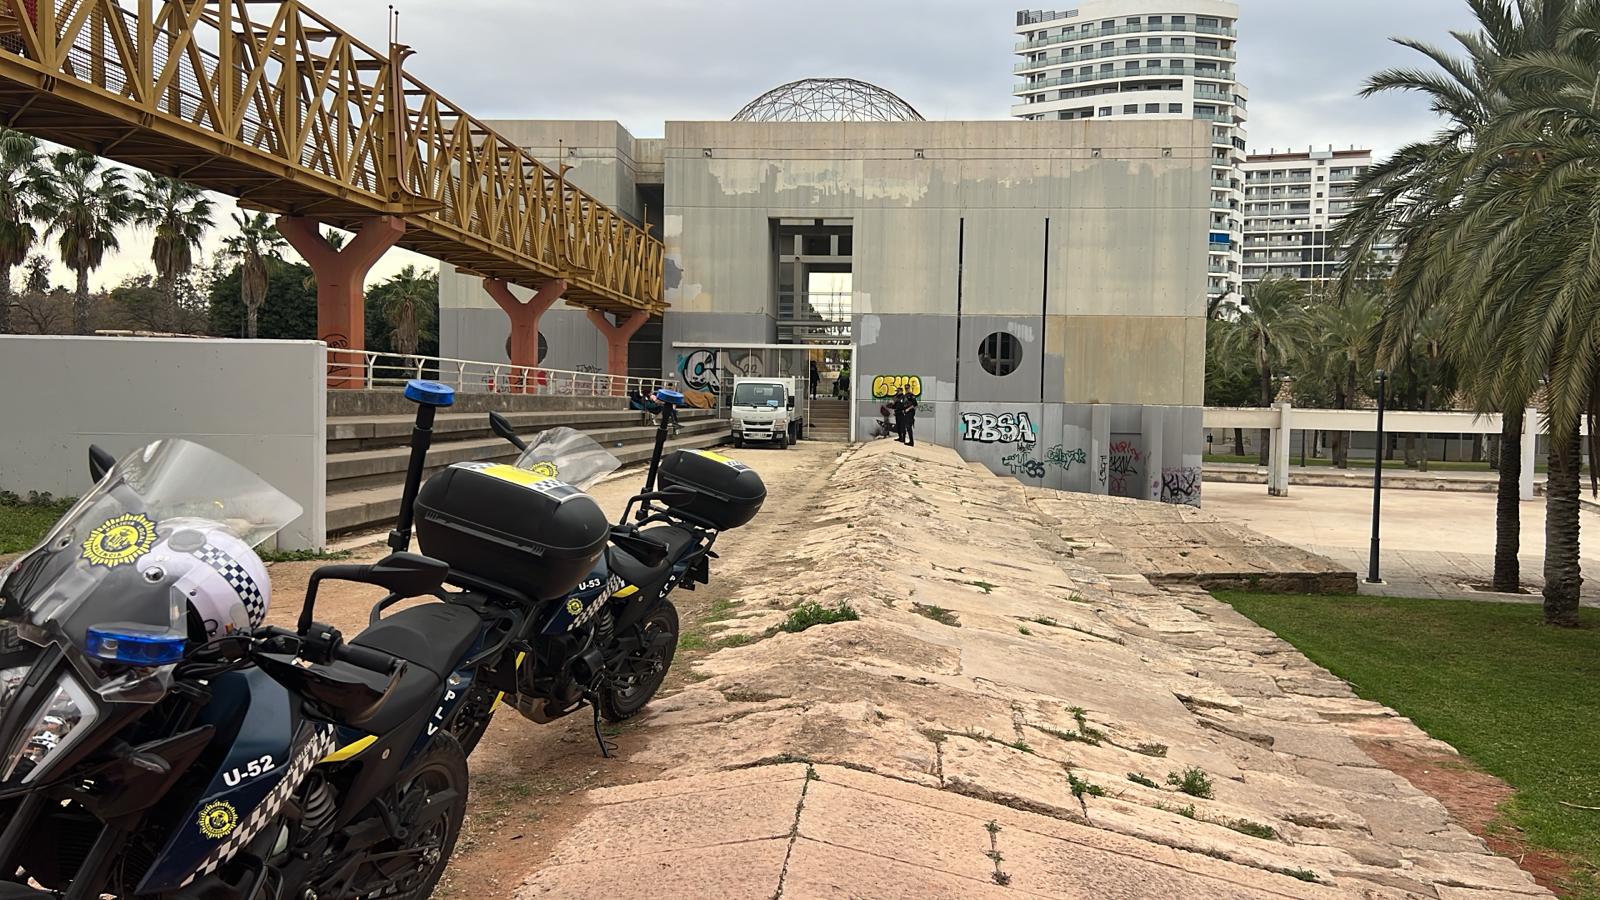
(973, 734)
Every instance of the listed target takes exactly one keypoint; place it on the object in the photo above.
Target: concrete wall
(1085, 241)
(261, 403)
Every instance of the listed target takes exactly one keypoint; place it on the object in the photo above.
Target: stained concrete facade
(1083, 241)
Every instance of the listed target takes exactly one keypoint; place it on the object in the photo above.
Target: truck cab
(763, 409)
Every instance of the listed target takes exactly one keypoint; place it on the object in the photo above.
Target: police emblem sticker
(574, 606)
(120, 540)
(218, 819)
(547, 469)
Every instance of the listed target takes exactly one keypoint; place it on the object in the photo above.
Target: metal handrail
(375, 370)
(1147, 27)
(1164, 50)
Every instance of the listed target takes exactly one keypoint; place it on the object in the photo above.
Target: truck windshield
(758, 395)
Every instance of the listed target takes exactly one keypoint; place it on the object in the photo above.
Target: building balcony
(1044, 84)
(1144, 28)
(1217, 117)
(1213, 96)
(1073, 59)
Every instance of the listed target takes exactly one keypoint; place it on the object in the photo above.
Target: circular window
(1000, 353)
(543, 349)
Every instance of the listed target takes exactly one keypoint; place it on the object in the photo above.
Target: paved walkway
(1434, 544)
(1003, 720)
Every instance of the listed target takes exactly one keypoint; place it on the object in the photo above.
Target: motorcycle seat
(630, 569)
(432, 636)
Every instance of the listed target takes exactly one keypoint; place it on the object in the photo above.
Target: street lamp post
(1373, 576)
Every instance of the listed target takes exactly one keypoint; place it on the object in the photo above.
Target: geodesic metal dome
(828, 100)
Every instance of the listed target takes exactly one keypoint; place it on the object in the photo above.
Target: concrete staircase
(830, 420)
(369, 433)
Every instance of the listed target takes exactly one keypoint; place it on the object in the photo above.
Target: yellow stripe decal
(502, 695)
(628, 591)
(348, 751)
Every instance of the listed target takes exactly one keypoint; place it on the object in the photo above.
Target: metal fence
(372, 370)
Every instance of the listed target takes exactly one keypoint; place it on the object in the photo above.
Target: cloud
(644, 62)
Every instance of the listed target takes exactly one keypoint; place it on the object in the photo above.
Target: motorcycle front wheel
(644, 670)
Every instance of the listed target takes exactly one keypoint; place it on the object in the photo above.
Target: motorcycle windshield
(569, 455)
(112, 557)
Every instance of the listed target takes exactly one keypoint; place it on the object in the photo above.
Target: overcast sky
(644, 62)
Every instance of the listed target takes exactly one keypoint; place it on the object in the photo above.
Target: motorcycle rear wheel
(430, 839)
(644, 671)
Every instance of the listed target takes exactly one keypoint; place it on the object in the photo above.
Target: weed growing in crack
(1254, 829)
(1020, 745)
(1067, 735)
(811, 773)
(1302, 874)
(1186, 811)
(936, 613)
(1000, 877)
(1045, 621)
(1194, 782)
(1023, 630)
(1136, 778)
(985, 586)
(1151, 749)
(812, 613)
(1081, 788)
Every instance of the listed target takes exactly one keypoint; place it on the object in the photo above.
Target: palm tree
(1268, 332)
(407, 302)
(83, 204)
(21, 180)
(1342, 338)
(180, 214)
(1407, 198)
(255, 247)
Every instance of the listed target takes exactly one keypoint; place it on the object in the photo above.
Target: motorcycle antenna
(428, 396)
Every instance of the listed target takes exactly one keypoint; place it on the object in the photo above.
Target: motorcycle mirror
(100, 462)
(502, 427)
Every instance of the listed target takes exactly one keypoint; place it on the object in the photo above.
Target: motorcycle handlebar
(367, 658)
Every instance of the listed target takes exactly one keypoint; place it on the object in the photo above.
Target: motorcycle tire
(622, 701)
(442, 769)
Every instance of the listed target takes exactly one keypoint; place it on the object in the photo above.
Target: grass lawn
(1519, 699)
(1360, 465)
(22, 525)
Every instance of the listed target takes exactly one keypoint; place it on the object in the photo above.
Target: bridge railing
(272, 102)
(371, 370)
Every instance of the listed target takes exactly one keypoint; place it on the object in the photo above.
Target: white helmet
(223, 580)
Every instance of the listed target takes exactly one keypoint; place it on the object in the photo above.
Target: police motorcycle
(607, 642)
(158, 741)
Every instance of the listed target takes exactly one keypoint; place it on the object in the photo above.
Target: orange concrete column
(341, 279)
(617, 337)
(524, 322)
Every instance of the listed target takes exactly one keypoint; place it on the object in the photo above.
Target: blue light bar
(668, 395)
(430, 393)
(134, 644)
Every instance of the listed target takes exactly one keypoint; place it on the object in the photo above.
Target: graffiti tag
(1181, 486)
(1125, 459)
(587, 369)
(1004, 428)
(1064, 459)
(700, 372)
(885, 386)
(1021, 463)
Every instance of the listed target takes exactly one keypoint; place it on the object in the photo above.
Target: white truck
(767, 409)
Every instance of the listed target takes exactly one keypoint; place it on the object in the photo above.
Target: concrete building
(1291, 201)
(1043, 283)
(1147, 59)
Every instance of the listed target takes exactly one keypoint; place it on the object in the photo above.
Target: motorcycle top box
(520, 528)
(727, 493)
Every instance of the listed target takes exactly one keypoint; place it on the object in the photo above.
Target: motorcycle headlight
(66, 715)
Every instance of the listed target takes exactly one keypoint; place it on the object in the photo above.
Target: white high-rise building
(1291, 201)
(1149, 59)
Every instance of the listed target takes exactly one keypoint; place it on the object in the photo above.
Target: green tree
(1341, 345)
(179, 213)
(22, 178)
(288, 313)
(1267, 332)
(257, 248)
(1410, 197)
(83, 205)
(405, 311)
